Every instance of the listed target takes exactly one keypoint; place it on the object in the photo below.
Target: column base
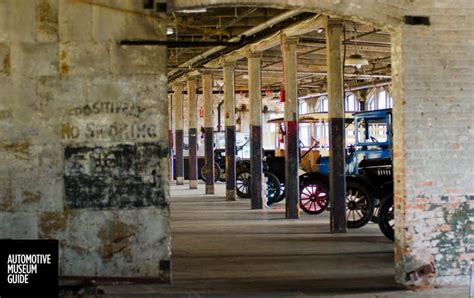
(209, 189)
(230, 195)
(179, 180)
(292, 214)
(193, 184)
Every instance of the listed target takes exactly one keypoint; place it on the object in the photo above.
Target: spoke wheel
(217, 172)
(282, 193)
(314, 197)
(242, 184)
(387, 217)
(359, 205)
(272, 190)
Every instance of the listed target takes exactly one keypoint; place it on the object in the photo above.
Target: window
(303, 107)
(351, 103)
(322, 104)
(304, 129)
(379, 99)
(372, 131)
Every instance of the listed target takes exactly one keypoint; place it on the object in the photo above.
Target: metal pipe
(354, 88)
(238, 18)
(309, 74)
(179, 43)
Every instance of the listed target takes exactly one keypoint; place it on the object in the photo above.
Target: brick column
(433, 135)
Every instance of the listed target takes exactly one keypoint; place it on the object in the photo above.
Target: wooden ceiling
(223, 24)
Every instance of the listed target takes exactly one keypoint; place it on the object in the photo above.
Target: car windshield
(372, 131)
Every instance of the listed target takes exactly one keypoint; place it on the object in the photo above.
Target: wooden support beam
(255, 97)
(230, 141)
(302, 27)
(337, 180)
(291, 124)
(208, 131)
(192, 133)
(178, 117)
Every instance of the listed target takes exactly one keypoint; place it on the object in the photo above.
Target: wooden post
(255, 98)
(192, 133)
(178, 118)
(229, 111)
(208, 131)
(291, 124)
(337, 180)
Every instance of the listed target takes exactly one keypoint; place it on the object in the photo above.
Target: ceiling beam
(297, 29)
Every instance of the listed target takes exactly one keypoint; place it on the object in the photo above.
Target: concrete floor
(223, 248)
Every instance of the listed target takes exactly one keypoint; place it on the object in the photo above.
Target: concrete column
(255, 97)
(208, 131)
(192, 133)
(85, 122)
(229, 111)
(337, 182)
(291, 124)
(178, 126)
(170, 136)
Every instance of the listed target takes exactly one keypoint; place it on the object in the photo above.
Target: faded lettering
(122, 176)
(100, 107)
(114, 131)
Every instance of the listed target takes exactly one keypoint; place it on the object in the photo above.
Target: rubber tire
(385, 216)
(221, 177)
(369, 211)
(243, 177)
(323, 188)
(217, 170)
(282, 193)
(272, 184)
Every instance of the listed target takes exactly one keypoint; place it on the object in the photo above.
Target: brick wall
(434, 136)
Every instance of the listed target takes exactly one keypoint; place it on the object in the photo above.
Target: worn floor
(224, 249)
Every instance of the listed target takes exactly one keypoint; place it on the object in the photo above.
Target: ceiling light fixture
(169, 31)
(356, 59)
(192, 10)
(320, 30)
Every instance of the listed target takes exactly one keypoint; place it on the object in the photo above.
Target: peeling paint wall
(433, 90)
(83, 135)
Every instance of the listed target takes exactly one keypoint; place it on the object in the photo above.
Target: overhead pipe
(178, 43)
(354, 88)
(309, 74)
(237, 19)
